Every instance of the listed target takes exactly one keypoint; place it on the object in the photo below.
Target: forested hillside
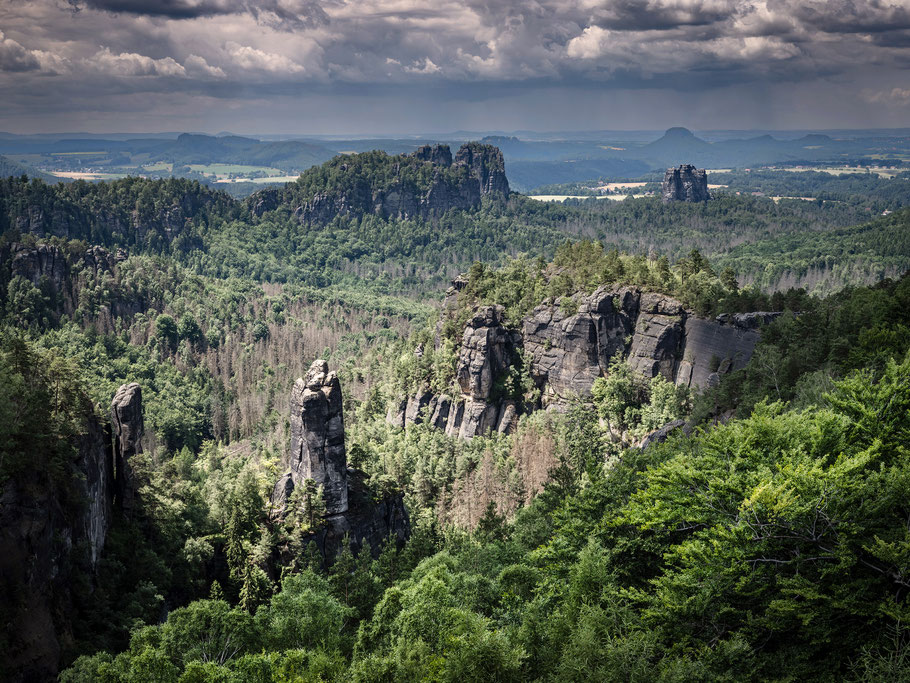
(616, 521)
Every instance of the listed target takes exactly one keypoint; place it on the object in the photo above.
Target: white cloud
(250, 58)
(133, 64)
(428, 67)
(197, 67)
(14, 57)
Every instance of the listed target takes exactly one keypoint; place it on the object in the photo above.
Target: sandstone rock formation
(50, 543)
(487, 350)
(317, 438)
(129, 427)
(476, 171)
(317, 452)
(685, 184)
(567, 352)
(43, 261)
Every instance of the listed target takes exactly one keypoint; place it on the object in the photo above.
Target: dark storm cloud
(279, 14)
(238, 52)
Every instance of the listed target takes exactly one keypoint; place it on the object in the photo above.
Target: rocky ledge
(568, 351)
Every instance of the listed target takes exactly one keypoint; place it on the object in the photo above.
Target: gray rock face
(318, 452)
(486, 165)
(435, 154)
(711, 348)
(317, 437)
(128, 428)
(47, 547)
(658, 336)
(568, 352)
(662, 434)
(685, 184)
(487, 351)
(35, 263)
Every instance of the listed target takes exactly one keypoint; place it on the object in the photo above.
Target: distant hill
(206, 149)
(8, 168)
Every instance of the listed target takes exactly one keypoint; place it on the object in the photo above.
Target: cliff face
(685, 184)
(567, 352)
(48, 539)
(420, 185)
(317, 452)
(128, 426)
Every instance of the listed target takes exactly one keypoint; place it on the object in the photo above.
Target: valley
(394, 386)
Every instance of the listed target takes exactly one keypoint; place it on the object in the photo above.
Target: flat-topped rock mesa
(425, 183)
(685, 184)
(317, 452)
(567, 351)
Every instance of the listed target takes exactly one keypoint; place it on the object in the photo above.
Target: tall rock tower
(128, 426)
(685, 184)
(317, 439)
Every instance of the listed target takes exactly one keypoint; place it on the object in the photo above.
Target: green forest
(766, 539)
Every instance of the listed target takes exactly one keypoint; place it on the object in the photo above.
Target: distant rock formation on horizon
(685, 184)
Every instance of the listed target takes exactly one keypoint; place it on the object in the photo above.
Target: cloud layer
(244, 53)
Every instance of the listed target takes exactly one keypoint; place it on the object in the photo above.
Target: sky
(423, 66)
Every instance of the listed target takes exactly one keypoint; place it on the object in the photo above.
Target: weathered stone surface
(397, 410)
(366, 520)
(486, 165)
(317, 452)
(43, 261)
(440, 415)
(128, 425)
(486, 352)
(46, 549)
(712, 348)
(418, 408)
(656, 345)
(568, 352)
(317, 438)
(477, 171)
(479, 418)
(508, 417)
(456, 416)
(685, 184)
(435, 154)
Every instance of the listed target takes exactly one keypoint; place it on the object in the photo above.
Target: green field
(224, 170)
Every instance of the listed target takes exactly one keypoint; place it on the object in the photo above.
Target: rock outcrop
(567, 351)
(420, 185)
(128, 425)
(51, 539)
(317, 438)
(317, 452)
(685, 184)
(42, 262)
(487, 352)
